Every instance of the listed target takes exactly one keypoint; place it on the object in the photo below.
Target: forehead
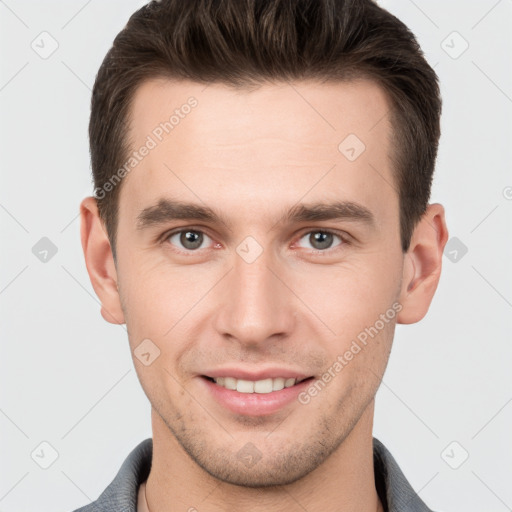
(212, 143)
(308, 111)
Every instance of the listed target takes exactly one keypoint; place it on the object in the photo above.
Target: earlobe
(99, 261)
(422, 265)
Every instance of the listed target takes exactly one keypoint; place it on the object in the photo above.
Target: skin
(251, 156)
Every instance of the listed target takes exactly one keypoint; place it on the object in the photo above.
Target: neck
(345, 481)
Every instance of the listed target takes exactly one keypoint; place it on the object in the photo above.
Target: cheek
(162, 388)
(156, 296)
(348, 298)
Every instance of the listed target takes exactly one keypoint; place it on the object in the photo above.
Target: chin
(250, 467)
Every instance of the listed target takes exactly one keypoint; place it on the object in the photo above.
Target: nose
(256, 306)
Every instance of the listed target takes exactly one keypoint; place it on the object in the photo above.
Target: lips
(249, 400)
(251, 393)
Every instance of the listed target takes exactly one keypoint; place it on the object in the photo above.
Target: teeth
(229, 382)
(277, 384)
(289, 382)
(245, 386)
(263, 386)
(258, 386)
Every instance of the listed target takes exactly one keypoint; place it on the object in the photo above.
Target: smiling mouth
(263, 386)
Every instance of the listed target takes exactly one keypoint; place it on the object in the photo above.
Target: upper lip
(270, 373)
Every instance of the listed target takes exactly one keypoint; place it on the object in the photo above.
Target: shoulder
(392, 485)
(121, 493)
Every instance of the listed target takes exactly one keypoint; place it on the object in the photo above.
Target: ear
(422, 265)
(100, 261)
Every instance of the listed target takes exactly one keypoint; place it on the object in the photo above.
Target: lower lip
(254, 404)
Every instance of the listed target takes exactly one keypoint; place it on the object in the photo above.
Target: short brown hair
(249, 42)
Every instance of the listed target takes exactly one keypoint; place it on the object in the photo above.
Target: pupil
(191, 239)
(321, 240)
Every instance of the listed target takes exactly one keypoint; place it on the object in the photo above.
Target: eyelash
(342, 236)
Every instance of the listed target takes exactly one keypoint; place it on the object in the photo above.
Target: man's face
(260, 294)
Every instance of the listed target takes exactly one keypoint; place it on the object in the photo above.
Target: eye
(188, 239)
(321, 240)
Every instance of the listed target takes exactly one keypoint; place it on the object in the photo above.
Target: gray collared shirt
(394, 490)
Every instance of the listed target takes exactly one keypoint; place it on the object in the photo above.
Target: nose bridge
(256, 305)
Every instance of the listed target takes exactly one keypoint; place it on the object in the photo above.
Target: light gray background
(66, 375)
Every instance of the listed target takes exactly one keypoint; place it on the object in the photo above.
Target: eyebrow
(168, 210)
